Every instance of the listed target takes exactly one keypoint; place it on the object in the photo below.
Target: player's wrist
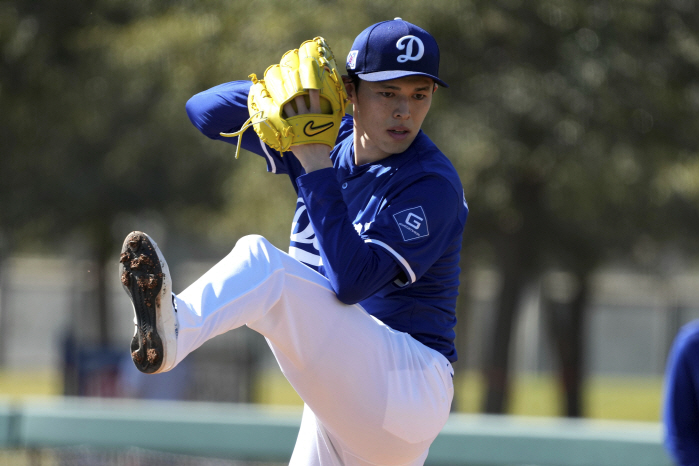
(313, 156)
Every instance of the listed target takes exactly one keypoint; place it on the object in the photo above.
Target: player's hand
(312, 156)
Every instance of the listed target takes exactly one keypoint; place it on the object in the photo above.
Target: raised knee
(249, 241)
(254, 252)
(254, 244)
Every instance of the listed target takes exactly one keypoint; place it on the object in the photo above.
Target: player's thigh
(376, 389)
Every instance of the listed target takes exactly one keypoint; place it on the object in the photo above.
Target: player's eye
(419, 96)
(387, 94)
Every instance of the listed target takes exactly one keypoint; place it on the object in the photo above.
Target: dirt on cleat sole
(142, 277)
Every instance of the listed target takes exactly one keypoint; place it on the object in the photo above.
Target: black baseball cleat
(146, 278)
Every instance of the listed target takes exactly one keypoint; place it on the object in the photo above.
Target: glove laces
(248, 123)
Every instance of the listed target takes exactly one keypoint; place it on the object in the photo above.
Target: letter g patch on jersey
(412, 223)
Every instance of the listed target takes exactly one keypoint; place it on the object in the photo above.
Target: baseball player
(681, 397)
(360, 313)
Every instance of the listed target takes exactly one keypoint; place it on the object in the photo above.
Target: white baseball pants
(373, 396)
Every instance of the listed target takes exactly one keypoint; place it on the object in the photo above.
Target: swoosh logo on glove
(310, 130)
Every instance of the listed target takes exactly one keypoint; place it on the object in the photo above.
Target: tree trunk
(566, 326)
(4, 290)
(519, 250)
(497, 358)
(103, 249)
(462, 328)
(462, 320)
(102, 306)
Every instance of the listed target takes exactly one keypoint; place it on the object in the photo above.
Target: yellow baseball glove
(311, 66)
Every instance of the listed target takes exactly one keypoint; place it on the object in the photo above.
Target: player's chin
(397, 145)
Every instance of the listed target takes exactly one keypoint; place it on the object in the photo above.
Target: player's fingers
(289, 110)
(301, 104)
(314, 95)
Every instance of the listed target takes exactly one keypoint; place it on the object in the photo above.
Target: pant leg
(380, 395)
(240, 288)
(316, 447)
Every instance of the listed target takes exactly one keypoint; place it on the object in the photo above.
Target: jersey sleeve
(418, 224)
(411, 232)
(354, 268)
(224, 109)
(680, 406)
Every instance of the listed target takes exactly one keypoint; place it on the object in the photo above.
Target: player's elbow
(197, 112)
(349, 294)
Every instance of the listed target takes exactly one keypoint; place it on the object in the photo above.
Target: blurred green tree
(572, 124)
(567, 113)
(92, 98)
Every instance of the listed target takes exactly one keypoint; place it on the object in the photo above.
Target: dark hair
(355, 81)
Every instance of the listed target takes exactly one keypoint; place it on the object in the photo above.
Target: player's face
(388, 115)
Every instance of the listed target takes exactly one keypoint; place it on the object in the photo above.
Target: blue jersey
(681, 404)
(386, 234)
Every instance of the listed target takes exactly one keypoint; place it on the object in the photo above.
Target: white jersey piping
(269, 157)
(397, 256)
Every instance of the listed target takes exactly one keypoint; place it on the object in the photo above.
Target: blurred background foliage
(573, 125)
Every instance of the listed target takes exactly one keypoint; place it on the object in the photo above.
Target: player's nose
(402, 109)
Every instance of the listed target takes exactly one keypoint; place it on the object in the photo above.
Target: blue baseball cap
(394, 49)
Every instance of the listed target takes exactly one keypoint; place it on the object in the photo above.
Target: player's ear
(434, 89)
(349, 87)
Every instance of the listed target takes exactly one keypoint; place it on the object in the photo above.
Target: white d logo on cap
(409, 48)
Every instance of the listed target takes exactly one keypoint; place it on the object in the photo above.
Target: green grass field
(17, 384)
(621, 398)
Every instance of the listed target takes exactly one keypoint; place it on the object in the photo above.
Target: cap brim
(395, 74)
